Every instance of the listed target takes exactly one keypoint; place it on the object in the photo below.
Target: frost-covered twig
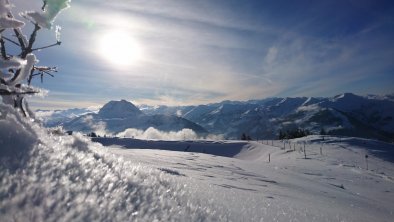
(21, 67)
(48, 46)
(41, 71)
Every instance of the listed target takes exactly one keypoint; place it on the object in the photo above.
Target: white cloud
(194, 56)
(98, 127)
(271, 55)
(153, 134)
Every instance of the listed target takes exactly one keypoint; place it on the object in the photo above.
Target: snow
(119, 109)
(362, 116)
(52, 9)
(46, 175)
(117, 116)
(58, 33)
(13, 62)
(243, 186)
(53, 118)
(6, 21)
(26, 69)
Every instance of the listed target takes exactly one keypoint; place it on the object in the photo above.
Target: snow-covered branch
(21, 67)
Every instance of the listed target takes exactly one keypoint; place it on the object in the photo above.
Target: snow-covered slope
(117, 116)
(48, 176)
(53, 118)
(237, 177)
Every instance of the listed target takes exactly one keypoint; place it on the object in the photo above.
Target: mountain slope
(347, 114)
(117, 116)
(119, 109)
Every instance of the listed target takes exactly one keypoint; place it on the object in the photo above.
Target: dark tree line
(295, 133)
(245, 137)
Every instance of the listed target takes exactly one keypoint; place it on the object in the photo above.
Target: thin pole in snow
(366, 160)
(269, 158)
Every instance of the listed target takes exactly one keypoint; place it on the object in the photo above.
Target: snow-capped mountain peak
(119, 109)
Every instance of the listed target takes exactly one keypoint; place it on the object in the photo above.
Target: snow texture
(13, 62)
(47, 176)
(6, 21)
(58, 33)
(26, 69)
(244, 186)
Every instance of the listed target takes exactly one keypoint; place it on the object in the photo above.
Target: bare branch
(50, 74)
(3, 52)
(7, 93)
(41, 71)
(20, 39)
(32, 39)
(30, 76)
(45, 3)
(10, 40)
(45, 47)
(27, 50)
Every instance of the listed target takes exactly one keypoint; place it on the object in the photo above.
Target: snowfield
(48, 176)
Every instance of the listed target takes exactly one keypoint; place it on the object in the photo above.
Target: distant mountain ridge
(117, 116)
(345, 114)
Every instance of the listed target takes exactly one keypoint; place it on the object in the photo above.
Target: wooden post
(366, 160)
(321, 151)
(269, 158)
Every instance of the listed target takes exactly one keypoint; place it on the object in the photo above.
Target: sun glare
(119, 48)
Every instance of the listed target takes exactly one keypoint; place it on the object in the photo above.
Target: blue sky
(195, 52)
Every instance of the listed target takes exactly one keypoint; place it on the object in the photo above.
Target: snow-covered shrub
(18, 69)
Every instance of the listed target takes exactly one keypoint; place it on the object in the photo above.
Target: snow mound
(48, 176)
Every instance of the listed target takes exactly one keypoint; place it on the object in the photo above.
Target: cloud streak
(207, 51)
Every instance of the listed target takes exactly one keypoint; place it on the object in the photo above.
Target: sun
(119, 48)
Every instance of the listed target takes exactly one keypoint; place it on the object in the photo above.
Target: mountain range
(117, 116)
(346, 114)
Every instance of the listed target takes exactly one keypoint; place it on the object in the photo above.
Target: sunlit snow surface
(333, 186)
(47, 177)
(50, 177)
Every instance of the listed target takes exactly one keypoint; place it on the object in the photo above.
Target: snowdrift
(47, 176)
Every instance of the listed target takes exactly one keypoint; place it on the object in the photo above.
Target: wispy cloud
(207, 51)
